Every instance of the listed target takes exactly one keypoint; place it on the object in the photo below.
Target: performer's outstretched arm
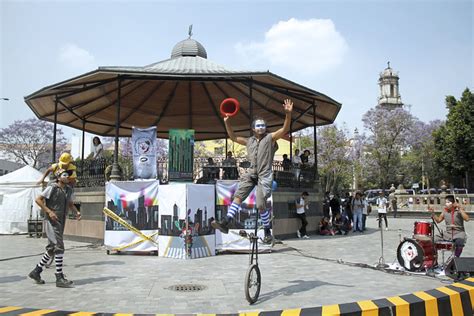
(288, 106)
(230, 131)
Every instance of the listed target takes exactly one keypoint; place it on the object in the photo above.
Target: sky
(335, 47)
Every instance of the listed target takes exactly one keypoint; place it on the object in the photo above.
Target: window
(1, 172)
(392, 91)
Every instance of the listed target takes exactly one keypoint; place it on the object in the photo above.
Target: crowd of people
(340, 216)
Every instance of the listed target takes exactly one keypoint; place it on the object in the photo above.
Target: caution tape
(133, 243)
(122, 222)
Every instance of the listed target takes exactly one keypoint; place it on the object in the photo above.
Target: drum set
(420, 252)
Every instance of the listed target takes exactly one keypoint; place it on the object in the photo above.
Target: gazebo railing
(94, 173)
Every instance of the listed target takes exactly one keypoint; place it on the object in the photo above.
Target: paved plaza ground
(297, 274)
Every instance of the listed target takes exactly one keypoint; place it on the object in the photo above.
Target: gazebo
(181, 92)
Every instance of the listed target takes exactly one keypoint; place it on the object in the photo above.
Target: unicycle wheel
(253, 282)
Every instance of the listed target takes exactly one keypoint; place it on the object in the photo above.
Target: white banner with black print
(144, 153)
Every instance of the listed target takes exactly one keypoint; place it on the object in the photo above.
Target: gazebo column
(115, 174)
(82, 151)
(53, 159)
(315, 149)
(291, 140)
(251, 106)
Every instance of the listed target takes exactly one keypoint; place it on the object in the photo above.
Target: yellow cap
(65, 158)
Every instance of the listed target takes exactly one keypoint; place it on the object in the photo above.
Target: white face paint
(260, 127)
(64, 177)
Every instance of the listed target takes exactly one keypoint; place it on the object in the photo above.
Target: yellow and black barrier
(456, 299)
(134, 230)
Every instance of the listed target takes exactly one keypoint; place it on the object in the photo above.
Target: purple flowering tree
(31, 141)
(358, 160)
(334, 158)
(388, 134)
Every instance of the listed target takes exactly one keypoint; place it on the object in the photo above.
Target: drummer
(454, 217)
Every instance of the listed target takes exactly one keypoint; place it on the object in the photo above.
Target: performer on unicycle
(261, 148)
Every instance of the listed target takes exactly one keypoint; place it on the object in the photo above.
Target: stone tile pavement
(323, 270)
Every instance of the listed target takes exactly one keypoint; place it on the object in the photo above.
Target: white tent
(18, 191)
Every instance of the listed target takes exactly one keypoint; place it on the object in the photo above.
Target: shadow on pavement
(95, 280)
(299, 286)
(100, 263)
(12, 278)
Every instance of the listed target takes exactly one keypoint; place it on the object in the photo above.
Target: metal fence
(94, 173)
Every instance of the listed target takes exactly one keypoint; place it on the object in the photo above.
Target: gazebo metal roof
(181, 92)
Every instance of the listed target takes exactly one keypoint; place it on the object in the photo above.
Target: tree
(388, 130)
(418, 163)
(304, 139)
(454, 140)
(30, 141)
(334, 165)
(201, 151)
(357, 157)
(125, 146)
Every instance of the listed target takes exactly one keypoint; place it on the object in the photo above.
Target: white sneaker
(298, 234)
(305, 237)
(386, 228)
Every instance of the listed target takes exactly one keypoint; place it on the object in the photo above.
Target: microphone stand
(381, 264)
(430, 271)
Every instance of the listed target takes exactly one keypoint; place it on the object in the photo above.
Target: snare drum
(444, 245)
(422, 230)
(416, 255)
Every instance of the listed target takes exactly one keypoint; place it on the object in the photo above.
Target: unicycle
(253, 278)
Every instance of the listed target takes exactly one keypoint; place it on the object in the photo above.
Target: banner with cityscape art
(245, 219)
(136, 203)
(186, 213)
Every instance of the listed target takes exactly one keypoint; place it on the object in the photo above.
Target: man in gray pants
(55, 200)
(261, 148)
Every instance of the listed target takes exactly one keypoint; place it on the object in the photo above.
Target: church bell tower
(389, 92)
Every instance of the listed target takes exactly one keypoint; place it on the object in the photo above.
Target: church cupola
(389, 91)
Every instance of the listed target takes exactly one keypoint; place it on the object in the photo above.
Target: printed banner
(186, 211)
(136, 204)
(245, 219)
(181, 154)
(144, 153)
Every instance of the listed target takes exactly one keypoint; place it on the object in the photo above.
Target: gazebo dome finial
(190, 32)
(189, 47)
